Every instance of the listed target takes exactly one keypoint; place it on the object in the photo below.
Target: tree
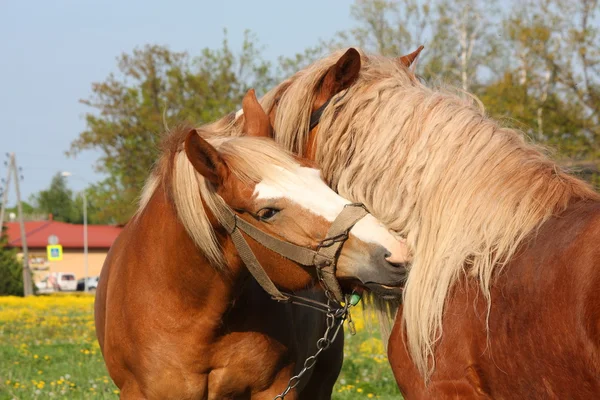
(564, 124)
(94, 213)
(389, 28)
(157, 88)
(56, 200)
(464, 45)
(11, 269)
(28, 210)
(386, 27)
(559, 54)
(459, 37)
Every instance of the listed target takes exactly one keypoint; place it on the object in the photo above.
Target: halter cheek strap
(315, 117)
(324, 258)
(331, 246)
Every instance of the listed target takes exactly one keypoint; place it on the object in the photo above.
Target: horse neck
(444, 151)
(464, 192)
(177, 264)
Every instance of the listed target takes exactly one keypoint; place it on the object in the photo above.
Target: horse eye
(267, 213)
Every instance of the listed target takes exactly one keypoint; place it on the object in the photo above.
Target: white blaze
(306, 188)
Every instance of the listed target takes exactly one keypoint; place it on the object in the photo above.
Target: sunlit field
(48, 349)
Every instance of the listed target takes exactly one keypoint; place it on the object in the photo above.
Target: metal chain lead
(335, 318)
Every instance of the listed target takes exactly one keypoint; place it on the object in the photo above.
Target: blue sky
(52, 51)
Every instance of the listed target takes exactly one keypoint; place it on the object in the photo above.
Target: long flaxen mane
(464, 191)
(249, 159)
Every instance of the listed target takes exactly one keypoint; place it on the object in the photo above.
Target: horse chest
(245, 363)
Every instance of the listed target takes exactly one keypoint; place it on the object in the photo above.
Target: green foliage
(11, 269)
(27, 208)
(555, 54)
(564, 122)
(56, 200)
(157, 88)
(536, 64)
(63, 204)
(94, 213)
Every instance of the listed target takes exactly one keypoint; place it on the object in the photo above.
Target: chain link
(335, 318)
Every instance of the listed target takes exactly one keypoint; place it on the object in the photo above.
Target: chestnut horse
(178, 316)
(502, 297)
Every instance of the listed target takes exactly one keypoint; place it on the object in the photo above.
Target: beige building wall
(73, 262)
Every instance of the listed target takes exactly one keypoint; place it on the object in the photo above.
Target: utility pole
(12, 167)
(85, 240)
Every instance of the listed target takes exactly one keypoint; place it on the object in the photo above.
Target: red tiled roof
(69, 235)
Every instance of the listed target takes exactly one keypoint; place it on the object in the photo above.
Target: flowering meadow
(48, 349)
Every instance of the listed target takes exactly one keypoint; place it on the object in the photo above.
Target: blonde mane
(464, 191)
(249, 159)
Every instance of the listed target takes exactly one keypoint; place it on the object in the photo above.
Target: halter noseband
(324, 258)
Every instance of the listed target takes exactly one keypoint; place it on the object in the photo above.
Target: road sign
(55, 252)
(52, 239)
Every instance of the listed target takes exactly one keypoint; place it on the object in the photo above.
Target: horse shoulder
(589, 259)
(456, 374)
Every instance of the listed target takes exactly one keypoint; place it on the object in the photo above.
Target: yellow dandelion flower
(359, 390)
(371, 346)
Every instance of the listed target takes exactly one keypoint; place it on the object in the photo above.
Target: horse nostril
(394, 264)
(392, 259)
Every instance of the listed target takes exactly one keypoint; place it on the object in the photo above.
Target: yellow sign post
(55, 252)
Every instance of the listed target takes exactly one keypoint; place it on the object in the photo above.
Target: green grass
(48, 350)
(366, 372)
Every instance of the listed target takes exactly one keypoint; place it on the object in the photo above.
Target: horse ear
(339, 77)
(408, 59)
(256, 122)
(205, 158)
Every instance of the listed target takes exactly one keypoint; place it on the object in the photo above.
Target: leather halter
(315, 117)
(324, 258)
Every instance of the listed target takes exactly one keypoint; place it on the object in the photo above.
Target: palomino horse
(502, 297)
(177, 313)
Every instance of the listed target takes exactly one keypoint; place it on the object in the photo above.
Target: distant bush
(11, 269)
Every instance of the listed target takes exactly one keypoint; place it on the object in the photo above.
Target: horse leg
(325, 373)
